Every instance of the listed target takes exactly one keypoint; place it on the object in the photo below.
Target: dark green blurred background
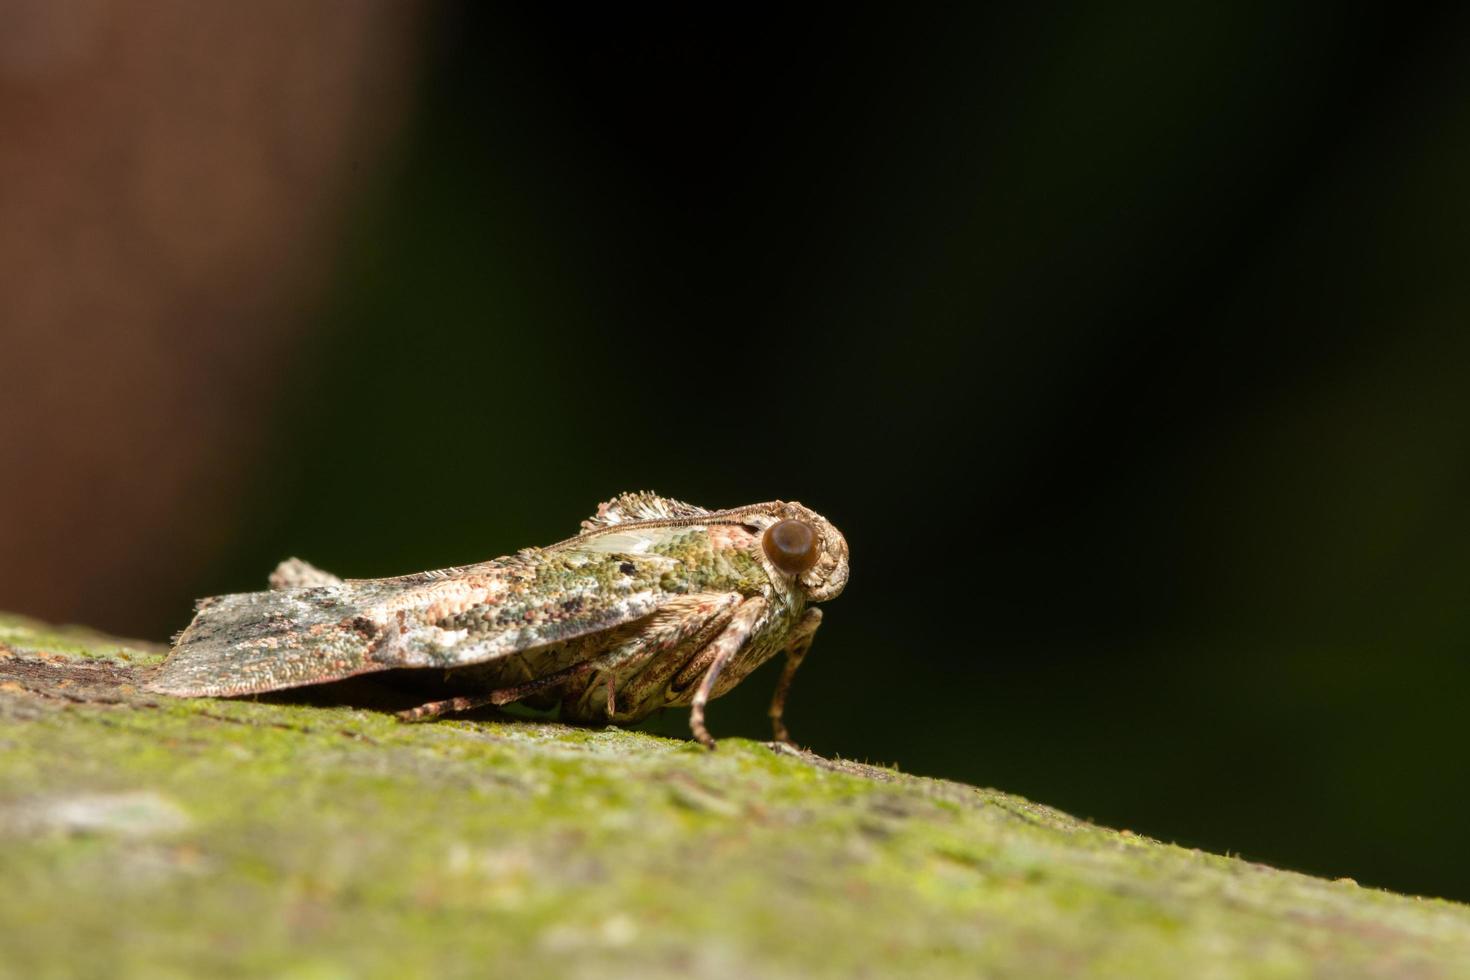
(1126, 343)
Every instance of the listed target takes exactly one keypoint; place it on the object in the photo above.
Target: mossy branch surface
(145, 836)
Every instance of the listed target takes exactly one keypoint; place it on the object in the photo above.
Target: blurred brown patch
(171, 178)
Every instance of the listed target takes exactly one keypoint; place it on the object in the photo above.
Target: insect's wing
(266, 641)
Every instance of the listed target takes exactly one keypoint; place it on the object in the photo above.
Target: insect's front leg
(724, 647)
(799, 643)
(686, 627)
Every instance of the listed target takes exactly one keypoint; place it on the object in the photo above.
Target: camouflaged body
(645, 586)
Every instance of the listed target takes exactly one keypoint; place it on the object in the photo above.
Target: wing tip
(178, 679)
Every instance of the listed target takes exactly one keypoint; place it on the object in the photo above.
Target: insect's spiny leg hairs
(796, 650)
(725, 646)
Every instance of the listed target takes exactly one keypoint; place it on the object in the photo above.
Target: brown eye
(791, 546)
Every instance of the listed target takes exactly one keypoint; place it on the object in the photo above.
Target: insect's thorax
(714, 562)
(713, 559)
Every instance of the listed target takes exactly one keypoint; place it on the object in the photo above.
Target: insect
(654, 603)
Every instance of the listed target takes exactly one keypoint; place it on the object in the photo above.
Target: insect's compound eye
(791, 546)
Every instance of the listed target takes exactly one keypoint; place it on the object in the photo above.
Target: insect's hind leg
(504, 695)
(796, 650)
(616, 657)
(449, 706)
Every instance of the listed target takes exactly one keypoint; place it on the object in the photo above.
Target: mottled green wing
(266, 641)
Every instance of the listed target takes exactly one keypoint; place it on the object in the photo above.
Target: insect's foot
(702, 736)
(696, 718)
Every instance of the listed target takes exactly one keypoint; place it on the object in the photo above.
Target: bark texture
(144, 836)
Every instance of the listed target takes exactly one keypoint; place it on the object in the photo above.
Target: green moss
(188, 837)
(28, 636)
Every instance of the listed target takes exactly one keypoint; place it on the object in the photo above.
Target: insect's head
(802, 544)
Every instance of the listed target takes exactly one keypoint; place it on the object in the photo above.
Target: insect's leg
(612, 694)
(504, 695)
(796, 648)
(436, 708)
(724, 647)
(694, 621)
(681, 629)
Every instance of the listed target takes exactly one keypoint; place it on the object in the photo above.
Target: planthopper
(655, 603)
